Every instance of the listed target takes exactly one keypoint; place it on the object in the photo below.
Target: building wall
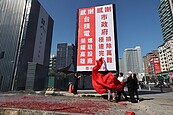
(36, 75)
(121, 65)
(27, 48)
(70, 53)
(151, 65)
(19, 36)
(165, 11)
(166, 56)
(133, 60)
(37, 43)
(139, 59)
(65, 54)
(11, 22)
(147, 65)
(156, 64)
(61, 55)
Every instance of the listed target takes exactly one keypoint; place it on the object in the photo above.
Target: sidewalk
(81, 93)
(85, 103)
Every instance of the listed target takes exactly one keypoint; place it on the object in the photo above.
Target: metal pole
(145, 77)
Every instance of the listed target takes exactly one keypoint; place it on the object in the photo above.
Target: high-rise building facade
(165, 11)
(132, 60)
(166, 56)
(121, 65)
(25, 39)
(165, 50)
(65, 55)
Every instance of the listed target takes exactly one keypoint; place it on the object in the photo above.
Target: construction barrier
(70, 89)
(50, 91)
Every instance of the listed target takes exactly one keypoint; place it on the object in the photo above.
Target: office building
(132, 59)
(165, 11)
(65, 56)
(25, 40)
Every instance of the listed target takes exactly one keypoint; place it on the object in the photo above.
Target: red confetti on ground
(130, 113)
(122, 103)
(49, 103)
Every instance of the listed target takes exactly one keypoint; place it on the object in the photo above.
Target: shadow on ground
(149, 92)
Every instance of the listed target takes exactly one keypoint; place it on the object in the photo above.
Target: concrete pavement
(152, 102)
(87, 101)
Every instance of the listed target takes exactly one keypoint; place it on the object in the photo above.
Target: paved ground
(87, 102)
(156, 103)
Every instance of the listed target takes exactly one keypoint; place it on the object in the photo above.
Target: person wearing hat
(130, 87)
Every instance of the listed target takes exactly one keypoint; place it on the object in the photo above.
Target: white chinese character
(90, 61)
(83, 40)
(86, 19)
(86, 25)
(82, 60)
(83, 47)
(90, 46)
(83, 12)
(91, 11)
(87, 33)
(82, 54)
(90, 40)
(90, 53)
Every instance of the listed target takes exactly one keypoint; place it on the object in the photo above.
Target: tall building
(165, 11)
(25, 40)
(152, 63)
(65, 54)
(121, 65)
(132, 59)
(166, 56)
(165, 50)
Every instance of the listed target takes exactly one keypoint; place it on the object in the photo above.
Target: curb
(82, 95)
(63, 93)
(15, 111)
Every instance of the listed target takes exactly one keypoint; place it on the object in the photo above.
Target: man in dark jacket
(130, 87)
(76, 79)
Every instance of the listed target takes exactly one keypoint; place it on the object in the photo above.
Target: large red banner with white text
(96, 38)
(156, 64)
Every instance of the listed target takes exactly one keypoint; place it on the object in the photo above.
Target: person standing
(136, 86)
(121, 79)
(130, 87)
(76, 79)
(111, 92)
(161, 83)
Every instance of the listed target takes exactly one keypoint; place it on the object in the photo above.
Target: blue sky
(137, 22)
